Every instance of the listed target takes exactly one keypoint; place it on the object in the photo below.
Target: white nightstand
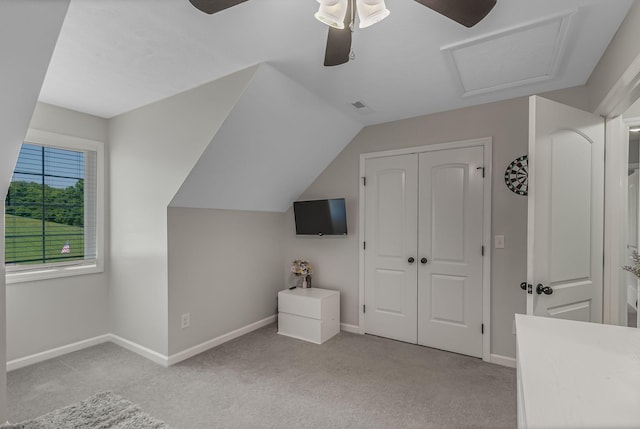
(309, 314)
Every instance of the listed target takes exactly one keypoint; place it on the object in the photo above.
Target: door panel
(570, 187)
(580, 311)
(448, 299)
(447, 242)
(450, 238)
(391, 219)
(390, 186)
(566, 197)
(389, 292)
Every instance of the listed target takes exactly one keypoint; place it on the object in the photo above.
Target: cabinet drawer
(300, 327)
(300, 305)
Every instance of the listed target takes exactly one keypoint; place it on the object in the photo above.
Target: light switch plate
(499, 242)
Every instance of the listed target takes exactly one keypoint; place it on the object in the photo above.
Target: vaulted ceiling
(113, 56)
(23, 68)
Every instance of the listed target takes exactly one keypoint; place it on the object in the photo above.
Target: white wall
(46, 314)
(224, 265)
(276, 141)
(152, 150)
(224, 270)
(28, 33)
(336, 259)
(69, 122)
(3, 329)
(612, 69)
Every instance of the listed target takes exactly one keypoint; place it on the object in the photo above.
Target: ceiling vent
(362, 108)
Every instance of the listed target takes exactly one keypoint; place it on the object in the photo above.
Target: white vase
(304, 282)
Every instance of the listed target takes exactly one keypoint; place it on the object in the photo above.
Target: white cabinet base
(576, 374)
(309, 314)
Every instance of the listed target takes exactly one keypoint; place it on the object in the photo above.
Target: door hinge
(481, 168)
(482, 328)
(364, 181)
(364, 245)
(482, 250)
(364, 308)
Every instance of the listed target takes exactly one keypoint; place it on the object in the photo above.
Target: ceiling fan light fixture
(332, 12)
(371, 12)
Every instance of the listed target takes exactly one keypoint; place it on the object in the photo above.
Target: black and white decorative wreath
(516, 175)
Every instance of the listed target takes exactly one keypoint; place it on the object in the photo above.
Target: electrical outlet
(499, 242)
(185, 320)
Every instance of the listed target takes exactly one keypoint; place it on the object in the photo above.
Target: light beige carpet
(102, 411)
(263, 380)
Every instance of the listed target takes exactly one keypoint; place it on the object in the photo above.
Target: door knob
(540, 289)
(424, 260)
(527, 287)
(411, 260)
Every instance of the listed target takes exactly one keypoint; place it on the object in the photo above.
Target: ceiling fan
(339, 15)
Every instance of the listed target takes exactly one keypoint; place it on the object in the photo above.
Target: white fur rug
(102, 411)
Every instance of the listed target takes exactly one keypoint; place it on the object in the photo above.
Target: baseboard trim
(503, 360)
(350, 328)
(143, 351)
(137, 348)
(192, 351)
(58, 351)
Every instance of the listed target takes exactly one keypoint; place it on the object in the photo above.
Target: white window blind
(51, 208)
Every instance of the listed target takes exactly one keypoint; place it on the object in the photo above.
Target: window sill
(52, 273)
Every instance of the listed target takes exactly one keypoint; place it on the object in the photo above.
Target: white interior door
(632, 241)
(565, 226)
(636, 231)
(633, 287)
(450, 250)
(391, 198)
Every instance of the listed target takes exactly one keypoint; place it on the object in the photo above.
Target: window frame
(20, 274)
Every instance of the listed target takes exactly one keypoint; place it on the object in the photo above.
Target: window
(52, 209)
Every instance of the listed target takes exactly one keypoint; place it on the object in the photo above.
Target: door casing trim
(486, 143)
(615, 224)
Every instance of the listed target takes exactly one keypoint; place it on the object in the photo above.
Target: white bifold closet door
(450, 234)
(423, 257)
(391, 282)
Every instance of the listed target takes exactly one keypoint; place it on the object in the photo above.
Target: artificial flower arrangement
(635, 269)
(303, 269)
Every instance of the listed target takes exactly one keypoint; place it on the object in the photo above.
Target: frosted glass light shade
(332, 12)
(371, 11)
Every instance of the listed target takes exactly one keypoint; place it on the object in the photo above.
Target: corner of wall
(153, 149)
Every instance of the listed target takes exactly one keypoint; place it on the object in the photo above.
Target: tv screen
(320, 217)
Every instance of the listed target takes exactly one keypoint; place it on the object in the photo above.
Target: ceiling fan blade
(465, 12)
(339, 42)
(213, 6)
(338, 47)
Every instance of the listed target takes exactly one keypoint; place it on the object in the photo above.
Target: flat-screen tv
(320, 217)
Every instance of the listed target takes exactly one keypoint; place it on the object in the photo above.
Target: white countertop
(578, 375)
